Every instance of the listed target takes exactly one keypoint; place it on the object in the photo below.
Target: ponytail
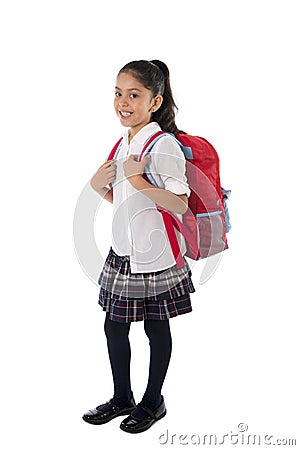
(155, 76)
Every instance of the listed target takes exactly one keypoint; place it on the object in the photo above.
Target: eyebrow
(131, 89)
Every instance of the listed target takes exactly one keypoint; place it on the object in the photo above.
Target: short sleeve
(170, 165)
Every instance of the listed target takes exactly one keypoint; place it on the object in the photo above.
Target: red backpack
(205, 224)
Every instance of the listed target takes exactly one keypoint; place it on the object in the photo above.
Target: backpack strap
(114, 150)
(171, 221)
(150, 142)
(114, 153)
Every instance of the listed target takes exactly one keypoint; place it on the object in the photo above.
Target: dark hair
(154, 75)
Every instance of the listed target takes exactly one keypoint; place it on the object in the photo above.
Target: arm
(105, 192)
(175, 203)
(104, 175)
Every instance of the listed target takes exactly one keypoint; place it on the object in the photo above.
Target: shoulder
(167, 144)
(167, 156)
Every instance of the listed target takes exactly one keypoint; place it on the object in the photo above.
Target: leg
(117, 335)
(160, 341)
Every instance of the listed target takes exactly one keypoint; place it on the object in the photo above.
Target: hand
(133, 168)
(105, 174)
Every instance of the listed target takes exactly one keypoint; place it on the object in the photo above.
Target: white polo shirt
(137, 227)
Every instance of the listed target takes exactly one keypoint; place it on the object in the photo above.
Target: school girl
(140, 279)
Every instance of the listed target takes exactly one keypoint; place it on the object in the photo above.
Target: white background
(235, 73)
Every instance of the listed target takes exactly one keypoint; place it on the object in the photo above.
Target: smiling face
(134, 104)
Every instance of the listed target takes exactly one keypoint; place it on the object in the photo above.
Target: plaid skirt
(130, 297)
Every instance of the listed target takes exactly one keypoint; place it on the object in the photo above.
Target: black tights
(160, 341)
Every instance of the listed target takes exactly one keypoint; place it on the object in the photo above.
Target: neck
(135, 130)
(129, 136)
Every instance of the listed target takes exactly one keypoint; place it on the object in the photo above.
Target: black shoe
(134, 425)
(109, 411)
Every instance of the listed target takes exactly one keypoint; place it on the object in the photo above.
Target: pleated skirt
(130, 297)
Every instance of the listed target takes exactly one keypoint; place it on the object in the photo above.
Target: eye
(117, 94)
(133, 95)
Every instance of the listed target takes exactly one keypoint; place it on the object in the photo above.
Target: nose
(123, 101)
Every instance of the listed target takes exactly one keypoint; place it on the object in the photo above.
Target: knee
(115, 329)
(157, 330)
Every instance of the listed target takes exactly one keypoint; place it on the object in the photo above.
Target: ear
(157, 103)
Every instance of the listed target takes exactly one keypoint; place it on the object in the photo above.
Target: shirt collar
(143, 134)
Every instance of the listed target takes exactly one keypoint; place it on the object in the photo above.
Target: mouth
(125, 114)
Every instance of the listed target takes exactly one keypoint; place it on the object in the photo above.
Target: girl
(140, 279)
